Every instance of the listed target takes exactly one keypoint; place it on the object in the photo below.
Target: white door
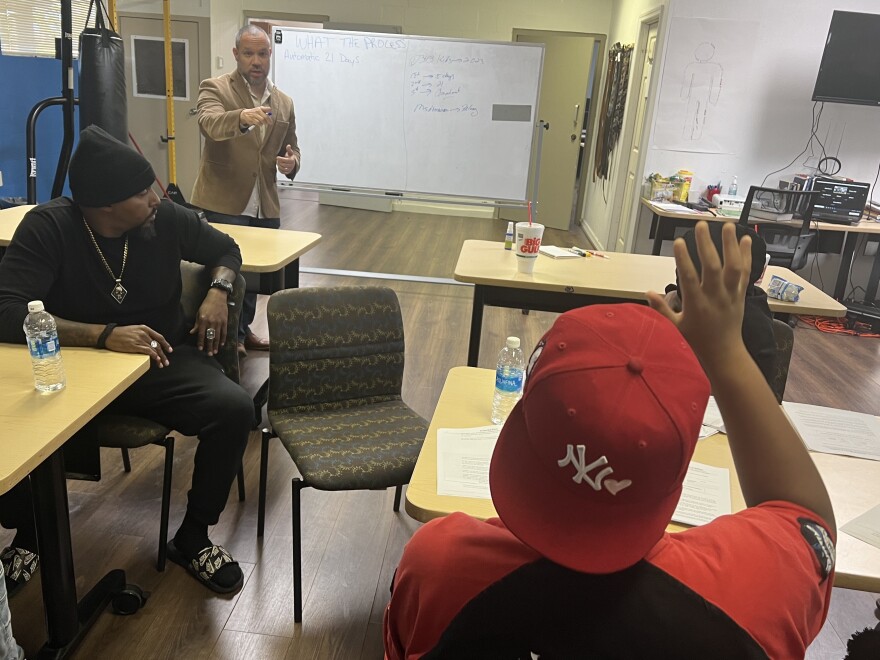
(620, 224)
(145, 87)
(567, 62)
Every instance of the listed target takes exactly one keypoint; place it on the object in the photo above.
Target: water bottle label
(509, 380)
(41, 347)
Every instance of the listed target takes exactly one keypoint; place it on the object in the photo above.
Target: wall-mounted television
(850, 68)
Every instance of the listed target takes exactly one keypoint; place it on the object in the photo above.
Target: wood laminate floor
(351, 541)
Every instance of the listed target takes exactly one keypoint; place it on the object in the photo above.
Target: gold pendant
(119, 292)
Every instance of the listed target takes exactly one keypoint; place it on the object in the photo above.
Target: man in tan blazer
(250, 131)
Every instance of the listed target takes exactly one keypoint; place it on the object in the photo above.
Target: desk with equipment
(466, 402)
(558, 285)
(665, 221)
(33, 428)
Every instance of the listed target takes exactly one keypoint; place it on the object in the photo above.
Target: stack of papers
(712, 422)
(705, 495)
(832, 431)
(866, 527)
(557, 252)
(463, 457)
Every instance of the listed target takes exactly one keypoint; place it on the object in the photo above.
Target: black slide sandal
(202, 568)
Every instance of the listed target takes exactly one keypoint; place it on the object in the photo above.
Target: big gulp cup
(528, 241)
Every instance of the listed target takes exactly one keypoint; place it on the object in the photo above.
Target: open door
(568, 62)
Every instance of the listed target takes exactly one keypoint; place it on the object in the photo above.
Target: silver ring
(209, 333)
(154, 344)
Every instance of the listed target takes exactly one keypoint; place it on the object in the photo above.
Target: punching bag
(102, 99)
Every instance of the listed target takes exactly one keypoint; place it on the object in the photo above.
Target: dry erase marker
(578, 251)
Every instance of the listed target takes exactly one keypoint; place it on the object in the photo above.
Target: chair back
(334, 347)
(783, 335)
(196, 280)
(788, 242)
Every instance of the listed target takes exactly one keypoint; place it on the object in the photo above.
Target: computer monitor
(842, 202)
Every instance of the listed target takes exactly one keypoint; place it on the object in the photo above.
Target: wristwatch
(220, 283)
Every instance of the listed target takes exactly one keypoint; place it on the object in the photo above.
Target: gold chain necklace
(118, 292)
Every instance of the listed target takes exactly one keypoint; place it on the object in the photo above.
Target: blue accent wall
(27, 81)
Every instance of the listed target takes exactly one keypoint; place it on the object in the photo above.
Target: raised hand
(712, 303)
(140, 339)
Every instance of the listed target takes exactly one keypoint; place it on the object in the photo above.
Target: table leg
(67, 621)
(291, 275)
(56, 554)
(873, 279)
(476, 326)
(659, 234)
(846, 257)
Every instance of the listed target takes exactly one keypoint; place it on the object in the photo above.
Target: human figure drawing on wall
(701, 87)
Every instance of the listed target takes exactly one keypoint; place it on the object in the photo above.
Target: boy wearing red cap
(585, 476)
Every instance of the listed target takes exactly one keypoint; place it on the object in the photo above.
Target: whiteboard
(411, 114)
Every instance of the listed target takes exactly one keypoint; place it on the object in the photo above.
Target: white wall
(488, 20)
(776, 122)
(178, 7)
(599, 197)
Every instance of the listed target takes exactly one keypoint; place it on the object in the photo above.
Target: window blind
(30, 27)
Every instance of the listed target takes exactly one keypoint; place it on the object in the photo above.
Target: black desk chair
(783, 336)
(789, 241)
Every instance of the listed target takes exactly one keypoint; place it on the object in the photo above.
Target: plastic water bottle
(508, 380)
(508, 237)
(733, 188)
(42, 339)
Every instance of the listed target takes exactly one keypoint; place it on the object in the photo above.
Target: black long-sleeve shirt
(52, 258)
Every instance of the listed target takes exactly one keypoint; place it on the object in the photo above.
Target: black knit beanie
(104, 171)
(759, 247)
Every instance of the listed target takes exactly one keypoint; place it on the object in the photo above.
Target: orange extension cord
(837, 327)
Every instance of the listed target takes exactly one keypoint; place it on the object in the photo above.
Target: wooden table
(273, 253)
(33, 429)
(664, 223)
(466, 401)
(558, 285)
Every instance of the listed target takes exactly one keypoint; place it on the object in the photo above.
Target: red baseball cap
(589, 466)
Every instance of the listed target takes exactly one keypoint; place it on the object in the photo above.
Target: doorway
(567, 87)
(626, 208)
(143, 35)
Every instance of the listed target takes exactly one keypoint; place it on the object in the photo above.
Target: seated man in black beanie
(107, 266)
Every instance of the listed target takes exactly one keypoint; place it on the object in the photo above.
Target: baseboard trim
(382, 276)
(436, 208)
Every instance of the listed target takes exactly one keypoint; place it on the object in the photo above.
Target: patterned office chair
(127, 432)
(335, 376)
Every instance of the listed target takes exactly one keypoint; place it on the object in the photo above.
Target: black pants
(249, 304)
(193, 396)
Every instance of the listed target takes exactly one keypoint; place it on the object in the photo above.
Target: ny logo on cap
(580, 464)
